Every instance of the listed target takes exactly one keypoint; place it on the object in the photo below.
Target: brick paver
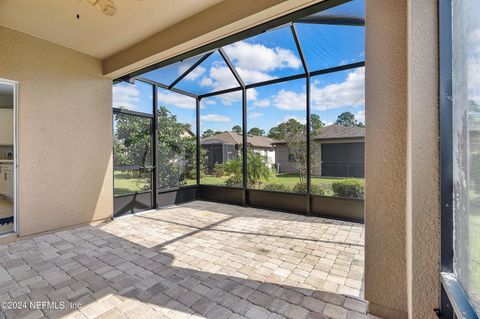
(196, 260)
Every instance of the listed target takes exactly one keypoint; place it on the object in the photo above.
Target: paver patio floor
(196, 260)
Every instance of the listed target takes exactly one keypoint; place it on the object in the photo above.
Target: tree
(131, 141)
(237, 128)
(176, 151)
(316, 123)
(294, 134)
(281, 130)
(256, 131)
(208, 133)
(348, 119)
(258, 170)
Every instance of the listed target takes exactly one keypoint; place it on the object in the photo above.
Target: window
(460, 113)
(466, 146)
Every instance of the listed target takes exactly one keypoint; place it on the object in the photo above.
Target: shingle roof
(235, 138)
(335, 131)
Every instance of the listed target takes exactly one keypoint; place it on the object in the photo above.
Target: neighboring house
(341, 151)
(225, 146)
(187, 133)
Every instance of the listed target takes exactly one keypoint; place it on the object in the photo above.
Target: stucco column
(401, 212)
(386, 157)
(423, 164)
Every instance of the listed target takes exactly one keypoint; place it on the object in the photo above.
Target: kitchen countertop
(6, 161)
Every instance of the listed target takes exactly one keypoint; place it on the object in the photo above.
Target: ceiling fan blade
(107, 7)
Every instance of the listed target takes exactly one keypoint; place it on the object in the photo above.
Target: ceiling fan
(107, 7)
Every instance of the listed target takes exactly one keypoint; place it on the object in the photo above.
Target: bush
(301, 188)
(317, 190)
(275, 187)
(218, 170)
(348, 188)
(234, 181)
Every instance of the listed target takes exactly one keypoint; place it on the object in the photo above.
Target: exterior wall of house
(281, 156)
(281, 159)
(269, 155)
(402, 205)
(65, 133)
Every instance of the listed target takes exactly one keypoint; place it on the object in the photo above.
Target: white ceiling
(94, 33)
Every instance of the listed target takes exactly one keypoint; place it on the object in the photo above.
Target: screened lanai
(291, 91)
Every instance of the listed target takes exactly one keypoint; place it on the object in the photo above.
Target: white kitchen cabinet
(6, 127)
(6, 180)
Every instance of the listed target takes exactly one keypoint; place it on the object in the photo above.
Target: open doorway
(7, 157)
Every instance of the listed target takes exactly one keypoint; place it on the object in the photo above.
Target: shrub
(301, 188)
(218, 170)
(275, 187)
(317, 190)
(234, 181)
(348, 188)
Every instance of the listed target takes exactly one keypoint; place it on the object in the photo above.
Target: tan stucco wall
(402, 212)
(423, 233)
(65, 133)
(385, 157)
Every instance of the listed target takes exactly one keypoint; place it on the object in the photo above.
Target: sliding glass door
(460, 151)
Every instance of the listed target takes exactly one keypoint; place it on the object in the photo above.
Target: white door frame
(15, 151)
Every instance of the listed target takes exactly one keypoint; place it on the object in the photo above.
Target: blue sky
(266, 56)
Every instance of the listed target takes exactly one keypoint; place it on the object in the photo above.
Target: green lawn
(126, 183)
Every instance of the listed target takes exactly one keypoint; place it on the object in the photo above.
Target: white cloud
(262, 103)
(254, 115)
(350, 92)
(215, 118)
(252, 61)
(221, 78)
(253, 56)
(233, 97)
(195, 73)
(126, 96)
(206, 82)
(210, 101)
(177, 100)
(253, 76)
(289, 100)
(360, 116)
(294, 117)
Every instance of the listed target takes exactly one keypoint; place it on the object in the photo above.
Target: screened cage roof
(331, 38)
